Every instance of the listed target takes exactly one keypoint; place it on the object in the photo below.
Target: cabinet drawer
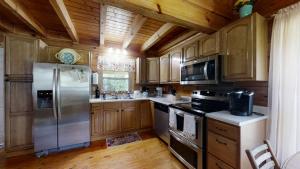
(214, 163)
(96, 106)
(129, 104)
(112, 105)
(223, 129)
(223, 148)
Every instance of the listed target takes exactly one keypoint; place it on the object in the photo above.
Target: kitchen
(147, 84)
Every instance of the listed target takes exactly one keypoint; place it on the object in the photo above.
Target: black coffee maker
(241, 102)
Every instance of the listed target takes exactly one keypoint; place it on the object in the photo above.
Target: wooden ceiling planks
(17, 9)
(270, 7)
(146, 31)
(118, 24)
(85, 15)
(41, 9)
(63, 14)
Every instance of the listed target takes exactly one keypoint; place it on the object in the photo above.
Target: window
(115, 81)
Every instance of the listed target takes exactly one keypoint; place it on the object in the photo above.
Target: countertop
(162, 100)
(226, 117)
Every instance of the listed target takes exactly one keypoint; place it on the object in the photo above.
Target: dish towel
(189, 126)
(172, 119)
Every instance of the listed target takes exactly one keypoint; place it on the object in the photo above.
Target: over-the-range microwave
(200, 71)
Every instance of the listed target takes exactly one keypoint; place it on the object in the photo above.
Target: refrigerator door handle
(54, 94)
(58, 95)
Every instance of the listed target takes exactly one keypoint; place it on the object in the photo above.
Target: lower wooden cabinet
(226, 143)
(130, 116)
(214, 163)
(146, 115)
(112, 121)
(116, 117)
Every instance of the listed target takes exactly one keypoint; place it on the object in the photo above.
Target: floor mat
(123, 139)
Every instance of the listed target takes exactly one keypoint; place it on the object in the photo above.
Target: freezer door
(73, 105)
(45, 121)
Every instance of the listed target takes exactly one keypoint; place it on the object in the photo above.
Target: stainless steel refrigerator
(61, 107)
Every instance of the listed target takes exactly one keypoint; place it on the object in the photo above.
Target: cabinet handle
(221, 142)
(218, 166)
(220, 129)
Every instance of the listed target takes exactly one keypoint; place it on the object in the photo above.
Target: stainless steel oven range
(187, 126)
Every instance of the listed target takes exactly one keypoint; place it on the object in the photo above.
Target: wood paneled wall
(47, 54)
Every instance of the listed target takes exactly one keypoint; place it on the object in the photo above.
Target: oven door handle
(195, 148)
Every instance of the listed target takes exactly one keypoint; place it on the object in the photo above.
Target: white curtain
(284, 83)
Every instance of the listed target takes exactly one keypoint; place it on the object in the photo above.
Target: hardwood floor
(150, 153)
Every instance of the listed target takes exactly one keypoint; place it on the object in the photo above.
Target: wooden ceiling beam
(136, 25)
(183, 13)
(158, 35)
(61, 10)
(17, 10)
(6, 26)
(177, 41)
(270, 7)
(103, 10)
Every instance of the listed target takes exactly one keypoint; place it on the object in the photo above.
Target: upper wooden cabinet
(175, 58)
(140, 72)
(209, 45)
(164, 68)
(152, 69)
(245, 49)
(190, 51)
(21, 52)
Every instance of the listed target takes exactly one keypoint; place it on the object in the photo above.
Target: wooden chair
(262, 157)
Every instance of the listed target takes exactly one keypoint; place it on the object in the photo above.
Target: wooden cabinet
(146, 116)
(175, 58)
(140, 72)
(111, 118)
(164, 68)
(209, 45)
(226, 143)
(20, 54)
(152, 68)
(96, 120)
(245, 49)
(214, 163)
(130, 116)
(191, 51)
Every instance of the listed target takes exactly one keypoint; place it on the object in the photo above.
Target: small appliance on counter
(137, 94)
(241, 102)
(159, 92)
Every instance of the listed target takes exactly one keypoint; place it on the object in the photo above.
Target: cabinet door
(164, 68)
(210, 44)
(130, 116)
(112, 121)
(140, 73)
(96, 121)
(19, 115)
(146, 116)
(152, 65)
(175, 57)
(190, 51)
(238, 58)
(20, 54)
